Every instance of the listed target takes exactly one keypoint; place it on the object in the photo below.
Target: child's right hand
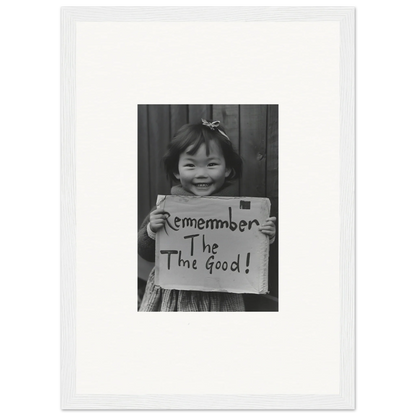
(158, 219)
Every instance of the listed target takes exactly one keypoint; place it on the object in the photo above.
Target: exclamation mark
(247, 262)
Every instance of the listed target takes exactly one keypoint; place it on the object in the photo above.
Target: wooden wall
(253, 129)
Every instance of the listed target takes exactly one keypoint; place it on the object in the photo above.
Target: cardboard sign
(213, 244)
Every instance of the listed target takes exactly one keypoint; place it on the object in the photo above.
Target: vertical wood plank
(159, 137)
(253, 130)
(178, 117)
(196, 112)
(143, 202)
(272, 156)
(272, 160)
(229, 116)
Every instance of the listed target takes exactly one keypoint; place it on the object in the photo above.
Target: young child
(202, 159)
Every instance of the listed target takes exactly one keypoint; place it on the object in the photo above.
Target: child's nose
(201, 173)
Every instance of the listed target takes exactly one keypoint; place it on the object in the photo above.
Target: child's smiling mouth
(202, 185)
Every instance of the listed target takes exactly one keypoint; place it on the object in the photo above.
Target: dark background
(253, 130)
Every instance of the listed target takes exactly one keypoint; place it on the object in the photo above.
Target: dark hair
(194, 135)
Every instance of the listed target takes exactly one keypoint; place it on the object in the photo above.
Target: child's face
(200, 174)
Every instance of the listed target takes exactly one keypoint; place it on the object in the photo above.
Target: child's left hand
(269, 227)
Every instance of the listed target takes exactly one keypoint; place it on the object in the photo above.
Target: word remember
(212, 223)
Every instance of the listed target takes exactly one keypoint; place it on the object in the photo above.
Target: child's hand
(269, 227)
(158, 219)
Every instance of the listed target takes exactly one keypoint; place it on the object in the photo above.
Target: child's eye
(212, 164)
(189, 165)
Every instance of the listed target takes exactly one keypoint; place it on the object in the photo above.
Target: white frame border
(349, 401)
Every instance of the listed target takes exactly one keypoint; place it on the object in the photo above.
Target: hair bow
(214, 125)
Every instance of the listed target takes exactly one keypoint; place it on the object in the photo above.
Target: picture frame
(302, 357)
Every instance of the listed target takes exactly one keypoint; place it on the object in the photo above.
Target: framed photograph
(208, 165)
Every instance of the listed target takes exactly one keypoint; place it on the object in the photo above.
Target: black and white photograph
(226, 259)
